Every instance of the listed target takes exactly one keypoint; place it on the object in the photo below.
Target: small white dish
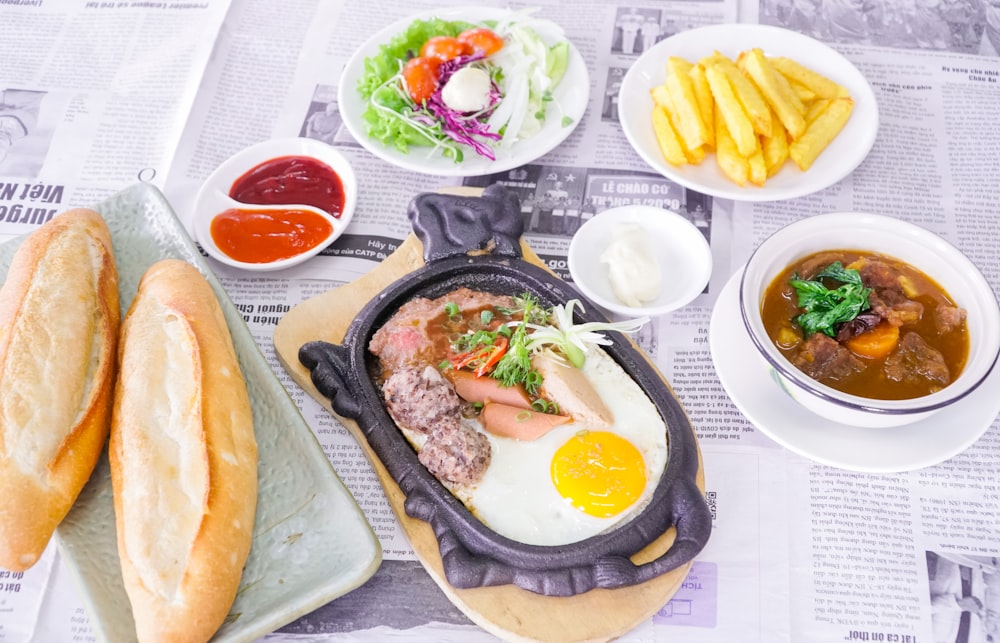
(751, 386)
(680, 249)
(842, 156)
(917, 246)
(213, 197)
(572, 95)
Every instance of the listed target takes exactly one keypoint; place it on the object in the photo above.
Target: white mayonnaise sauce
(632, 267)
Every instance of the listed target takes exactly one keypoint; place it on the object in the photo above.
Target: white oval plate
(572, 93)
(843, 155)
(682, 251)
(749, 383)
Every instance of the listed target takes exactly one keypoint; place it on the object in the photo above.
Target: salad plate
(751, 385)
(839, 159)
(562, 114)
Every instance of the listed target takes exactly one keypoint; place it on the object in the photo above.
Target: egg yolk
(599, 472)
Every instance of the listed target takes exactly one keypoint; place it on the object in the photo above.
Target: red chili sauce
(287, 180)
(254, 236)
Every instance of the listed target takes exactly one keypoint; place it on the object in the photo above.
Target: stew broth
(903, 300)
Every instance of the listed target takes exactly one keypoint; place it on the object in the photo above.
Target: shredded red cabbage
(458, 126)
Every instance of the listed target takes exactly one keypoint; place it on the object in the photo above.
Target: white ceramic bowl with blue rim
(919, 247)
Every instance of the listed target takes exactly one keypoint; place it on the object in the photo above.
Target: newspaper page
(799, 551)
(93, 98)
(94, 95)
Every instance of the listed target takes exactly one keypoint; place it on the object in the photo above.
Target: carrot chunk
(875, 343)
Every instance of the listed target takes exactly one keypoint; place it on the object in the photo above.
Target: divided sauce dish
(955, 273)
(304, 229)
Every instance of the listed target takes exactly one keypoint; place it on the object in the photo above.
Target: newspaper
(104, 94)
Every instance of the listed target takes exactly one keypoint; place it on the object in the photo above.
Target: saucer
(752, 387)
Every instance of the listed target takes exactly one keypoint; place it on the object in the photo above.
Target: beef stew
(881, 329)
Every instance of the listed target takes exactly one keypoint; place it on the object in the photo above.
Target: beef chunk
(420, 399)
(914, 360)
(400, 345)
(456, 454)
(876, 274)
(948, 318)
(817, 263)
(821, 357)
(895, 307)
(404, 339)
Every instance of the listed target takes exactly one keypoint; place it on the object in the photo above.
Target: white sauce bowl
(679, 247)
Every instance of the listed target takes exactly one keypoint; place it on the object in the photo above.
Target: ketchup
(258, 236)
(288, 180)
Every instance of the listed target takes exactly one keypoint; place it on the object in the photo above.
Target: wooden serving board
(506, 611)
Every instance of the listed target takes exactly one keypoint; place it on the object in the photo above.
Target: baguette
(59, 319)
(183, 458)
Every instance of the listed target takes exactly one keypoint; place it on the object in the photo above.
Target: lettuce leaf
(385, 125)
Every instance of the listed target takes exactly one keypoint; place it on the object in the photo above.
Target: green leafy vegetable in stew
(825, 307)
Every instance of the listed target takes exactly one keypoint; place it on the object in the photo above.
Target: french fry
(793, 96)
(662, 98)
(758, 167)
(738, 126)
(805, 94)
(706, 104)
(775, 148)
(666, 137)
(816, 108)
(749, 96)
(822, 86)
(710, 60)
(689, 124)
(824, 128)
(730, 161)
(778, 95)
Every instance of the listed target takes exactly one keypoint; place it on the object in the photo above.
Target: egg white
(516, 496)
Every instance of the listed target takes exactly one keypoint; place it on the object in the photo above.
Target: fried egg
(575, 481)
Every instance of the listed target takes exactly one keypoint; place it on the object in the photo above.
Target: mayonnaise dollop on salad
(454, 85)
(468, 90)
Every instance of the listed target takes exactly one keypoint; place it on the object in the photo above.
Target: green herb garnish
(515, 366)
(824, 307)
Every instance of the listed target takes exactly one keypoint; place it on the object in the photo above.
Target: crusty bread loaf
(59, 319)
(183, 458)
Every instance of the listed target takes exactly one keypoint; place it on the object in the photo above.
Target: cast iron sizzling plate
(474, 242)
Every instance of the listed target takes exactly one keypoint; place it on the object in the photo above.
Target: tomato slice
(444, 48)
(481, 359)
(481, 40)
(421, 77)
(494, 355)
